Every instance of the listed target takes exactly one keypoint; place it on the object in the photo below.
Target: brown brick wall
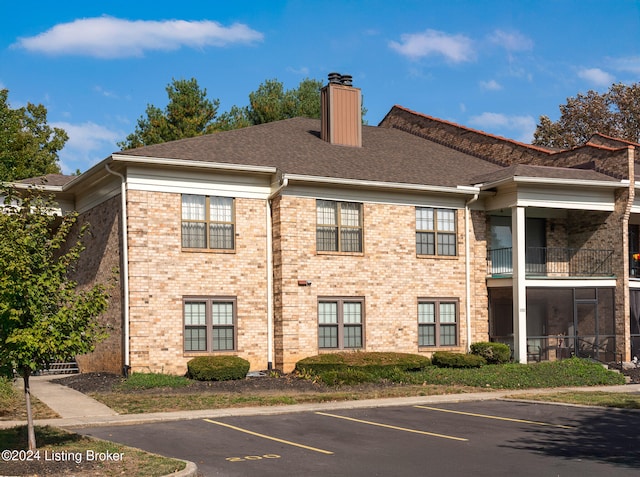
(100, 263)
(388, 275)
(161, 274)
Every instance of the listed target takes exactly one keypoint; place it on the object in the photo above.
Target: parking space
(481, 438)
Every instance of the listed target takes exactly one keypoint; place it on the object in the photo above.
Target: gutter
(193, 164)
(465, 190)
(125, 267)
(467, 267)
(283, 182)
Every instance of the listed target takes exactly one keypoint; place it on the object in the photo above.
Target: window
(435, 231)
(339, 226)
(209, 324)
(437, 322)
(340, 323)
(207, 222)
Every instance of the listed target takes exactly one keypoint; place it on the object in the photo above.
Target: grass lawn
(588, 398)
(79, 455)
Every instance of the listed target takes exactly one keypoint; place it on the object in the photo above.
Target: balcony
(553, 262)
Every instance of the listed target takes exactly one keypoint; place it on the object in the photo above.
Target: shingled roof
(544, 172)
(294, 147)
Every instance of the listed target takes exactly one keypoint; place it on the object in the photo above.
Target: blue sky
(491, 65)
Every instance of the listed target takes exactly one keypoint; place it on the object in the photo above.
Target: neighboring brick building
(298, 237)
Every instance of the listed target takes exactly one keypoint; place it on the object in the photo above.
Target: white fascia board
(555, 182)
(157, 161)
(25, 186)
(464, 190)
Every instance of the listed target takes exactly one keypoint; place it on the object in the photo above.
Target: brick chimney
(341, 111)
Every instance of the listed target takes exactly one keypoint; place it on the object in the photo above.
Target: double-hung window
(210, 324)
(338, 226)
(435, 231)
(437, 322)
(208, 222)
(340, 323)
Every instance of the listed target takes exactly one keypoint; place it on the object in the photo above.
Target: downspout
(125, 267)
(284, 181)
(468, 268)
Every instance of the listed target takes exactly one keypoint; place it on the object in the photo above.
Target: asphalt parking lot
(485, 438)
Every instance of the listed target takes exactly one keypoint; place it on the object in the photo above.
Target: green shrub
(446, 359)
(370, 362)
(153, 380)
(494, 353)
(346, 377)
(217, 368)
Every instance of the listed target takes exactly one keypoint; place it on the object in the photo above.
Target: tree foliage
(614, 113)
(44, 317)
(189, 113)
(28, 145)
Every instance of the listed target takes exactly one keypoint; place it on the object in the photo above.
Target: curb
(191, 470)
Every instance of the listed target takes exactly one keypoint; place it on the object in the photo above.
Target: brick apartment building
(297, 237)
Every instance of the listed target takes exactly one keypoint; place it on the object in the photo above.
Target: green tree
(28, 145)
(188, 113)
(44, 317)
(614, 113)
(270, 102)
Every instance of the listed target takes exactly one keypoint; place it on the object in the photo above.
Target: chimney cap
(335, 78)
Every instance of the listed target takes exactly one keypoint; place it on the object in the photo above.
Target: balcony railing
(554, 261)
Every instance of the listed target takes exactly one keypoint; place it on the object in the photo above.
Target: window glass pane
(195, 313)
(326, 212)
(193, 207)
(351, 240)
(352, 313)
(426, 313)
(327, 312)
(223, 338)
(446, 244)
(222, 313)
(447, 312)
(221, 236)
(350, 214)
(425, 243)
(328, 336)
(195, 339)
(221, 209)
(446, 220)
(327, 239)
(447, 335)
(353, 336)
(427, 335)
(424, 218)
(194, 235)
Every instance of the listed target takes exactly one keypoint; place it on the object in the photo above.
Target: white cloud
(455, 48)
(106, 93)
(491, 85)
(109, 37)
(630, 64)
(596, 76)
(511, 41)
(520, 128)
(88, 144)
(303, 70)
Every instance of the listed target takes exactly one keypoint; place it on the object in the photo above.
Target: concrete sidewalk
(78, 410)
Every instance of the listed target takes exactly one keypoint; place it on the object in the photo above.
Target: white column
(519, 286)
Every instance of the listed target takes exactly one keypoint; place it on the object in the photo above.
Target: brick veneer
(161, 273)
(388, 275)
(99, 263)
